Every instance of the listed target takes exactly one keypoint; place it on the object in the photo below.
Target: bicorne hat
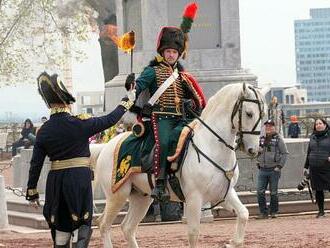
(52, 90)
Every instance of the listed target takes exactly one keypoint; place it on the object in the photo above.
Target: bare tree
(31, 35)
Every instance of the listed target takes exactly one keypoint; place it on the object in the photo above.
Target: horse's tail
(95, 150)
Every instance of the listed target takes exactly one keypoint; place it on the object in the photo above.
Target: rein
(228, 174)
(210, 129)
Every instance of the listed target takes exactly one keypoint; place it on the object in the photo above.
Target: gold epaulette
(84, 116)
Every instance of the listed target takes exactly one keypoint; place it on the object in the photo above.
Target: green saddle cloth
(128, 156)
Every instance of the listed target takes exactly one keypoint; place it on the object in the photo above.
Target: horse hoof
(233, 245)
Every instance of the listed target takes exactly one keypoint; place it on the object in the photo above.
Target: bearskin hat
(171, 37)
(177, 38)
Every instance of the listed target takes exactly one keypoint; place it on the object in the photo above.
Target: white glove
(131, 95)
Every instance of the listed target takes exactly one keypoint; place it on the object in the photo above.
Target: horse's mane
(226, 97)
(222, 98)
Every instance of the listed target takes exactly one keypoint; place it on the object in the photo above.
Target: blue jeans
(265, 177)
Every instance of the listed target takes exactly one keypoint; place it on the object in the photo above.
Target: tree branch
(21, 14)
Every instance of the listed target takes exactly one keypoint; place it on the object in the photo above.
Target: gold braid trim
(32, 192)
(56, 110)
(173, 95)
(127, 104)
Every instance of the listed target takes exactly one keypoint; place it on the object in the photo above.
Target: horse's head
(246, 118)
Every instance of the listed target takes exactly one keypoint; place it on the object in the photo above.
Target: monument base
(3, 205)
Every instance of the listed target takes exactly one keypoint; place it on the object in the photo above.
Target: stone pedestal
(214, 55)
(21, 166)
(3, 205)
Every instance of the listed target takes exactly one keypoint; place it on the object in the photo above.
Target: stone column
(3, 204)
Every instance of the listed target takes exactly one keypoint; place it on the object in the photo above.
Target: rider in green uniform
(166, 113)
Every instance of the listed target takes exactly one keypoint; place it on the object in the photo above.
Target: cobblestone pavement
(285, 232)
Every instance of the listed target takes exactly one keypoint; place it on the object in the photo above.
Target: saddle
(134, 154)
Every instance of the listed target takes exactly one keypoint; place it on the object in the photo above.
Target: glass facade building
(312, 45)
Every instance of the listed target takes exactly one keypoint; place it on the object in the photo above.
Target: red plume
(190, 11)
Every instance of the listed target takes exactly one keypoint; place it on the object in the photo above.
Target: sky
(267, 36)
(267, 50)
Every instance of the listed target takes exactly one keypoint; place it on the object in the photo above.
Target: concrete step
(33, 220)
(37, 221)
(287, 207)
(291, 201)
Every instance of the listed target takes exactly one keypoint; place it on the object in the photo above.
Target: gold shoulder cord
(127, 104)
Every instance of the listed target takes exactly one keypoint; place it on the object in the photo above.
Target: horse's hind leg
(138, 207)
(233, 203)
(114, 204)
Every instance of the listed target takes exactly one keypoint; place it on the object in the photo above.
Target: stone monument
(214, 55)
(3, 205)
(214, 51)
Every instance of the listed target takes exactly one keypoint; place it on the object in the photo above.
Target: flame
(126, 42)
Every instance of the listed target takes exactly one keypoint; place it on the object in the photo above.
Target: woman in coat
(318, 162)
(27, 136)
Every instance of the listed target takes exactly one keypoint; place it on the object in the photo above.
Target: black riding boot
(159, 192)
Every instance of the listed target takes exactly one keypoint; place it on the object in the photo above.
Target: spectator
(318, 162)
(294, 129)
(43, 120)
(27, 136)
(276, 114)
(272, 158)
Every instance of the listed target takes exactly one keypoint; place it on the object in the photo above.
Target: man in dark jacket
(64, 139)
(272, 158)
(293, 129)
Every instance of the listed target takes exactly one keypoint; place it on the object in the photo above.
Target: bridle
(238, 107)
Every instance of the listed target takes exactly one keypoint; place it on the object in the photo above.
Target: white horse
(233, 111)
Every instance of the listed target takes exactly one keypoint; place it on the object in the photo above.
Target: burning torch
(126, 42)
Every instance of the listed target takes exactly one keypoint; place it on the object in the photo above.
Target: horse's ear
(244, 88)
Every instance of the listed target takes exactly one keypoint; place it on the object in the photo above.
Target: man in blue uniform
(64, 139)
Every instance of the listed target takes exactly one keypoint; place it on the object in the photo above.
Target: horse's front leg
(233, 203)
(193, 214)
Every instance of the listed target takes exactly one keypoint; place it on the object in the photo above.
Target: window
(86, 100)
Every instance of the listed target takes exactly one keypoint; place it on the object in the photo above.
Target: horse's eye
(249, 114)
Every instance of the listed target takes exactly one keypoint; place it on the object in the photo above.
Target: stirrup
(159, 193)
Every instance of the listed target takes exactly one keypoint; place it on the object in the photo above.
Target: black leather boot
(159, 192)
